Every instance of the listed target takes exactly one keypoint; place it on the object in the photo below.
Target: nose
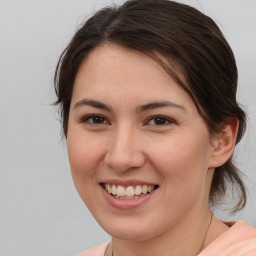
(124, 150)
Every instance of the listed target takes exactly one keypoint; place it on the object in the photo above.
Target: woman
(148, 98)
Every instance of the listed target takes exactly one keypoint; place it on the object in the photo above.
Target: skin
(127, 142)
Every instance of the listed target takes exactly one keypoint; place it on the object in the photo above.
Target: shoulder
(98, 250)
(239, 240)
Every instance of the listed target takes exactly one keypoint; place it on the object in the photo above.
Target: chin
(131, 235)
(129, 231)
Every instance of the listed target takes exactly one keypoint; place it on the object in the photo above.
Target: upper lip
(126, 183)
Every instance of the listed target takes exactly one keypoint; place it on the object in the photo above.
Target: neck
(186, 237)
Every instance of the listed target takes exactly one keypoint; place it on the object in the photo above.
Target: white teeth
(137, 190)
(129, 192)
(120, 191)
(144, 189)
(108, 187)
(113, 189)
(150, 188)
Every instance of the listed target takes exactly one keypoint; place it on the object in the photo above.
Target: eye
(159, 121)
(95, 120)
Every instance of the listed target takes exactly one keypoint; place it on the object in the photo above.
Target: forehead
(114, 59)
(111, 70)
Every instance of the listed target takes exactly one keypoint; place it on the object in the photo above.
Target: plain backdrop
(40, 211)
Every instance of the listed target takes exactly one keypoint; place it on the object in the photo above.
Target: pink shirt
(239, 240)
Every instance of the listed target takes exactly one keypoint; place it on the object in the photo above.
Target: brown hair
(193, 46)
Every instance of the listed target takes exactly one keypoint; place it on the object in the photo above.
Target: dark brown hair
(197, 56)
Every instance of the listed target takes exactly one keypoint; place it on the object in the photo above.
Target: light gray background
(40, 211)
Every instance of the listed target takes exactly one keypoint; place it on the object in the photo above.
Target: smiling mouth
(129, 192)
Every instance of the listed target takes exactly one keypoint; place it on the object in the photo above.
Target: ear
(224, 143)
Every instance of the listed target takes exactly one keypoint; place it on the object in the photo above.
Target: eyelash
(87, 118)
(166, 120)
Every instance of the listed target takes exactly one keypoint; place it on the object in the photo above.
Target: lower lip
(127, 204)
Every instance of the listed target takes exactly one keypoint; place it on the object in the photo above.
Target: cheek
(182, 161)
(84, 157)
(183, 170)
(85, 154)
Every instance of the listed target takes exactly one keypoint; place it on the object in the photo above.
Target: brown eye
(95, 120)
(159, 120)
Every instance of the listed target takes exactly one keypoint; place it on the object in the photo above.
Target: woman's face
(132, 129)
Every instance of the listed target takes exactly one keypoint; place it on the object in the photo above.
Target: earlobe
(224, 143)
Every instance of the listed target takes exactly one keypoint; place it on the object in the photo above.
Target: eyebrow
(92, 103)
(142, 108)
(158, 104)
